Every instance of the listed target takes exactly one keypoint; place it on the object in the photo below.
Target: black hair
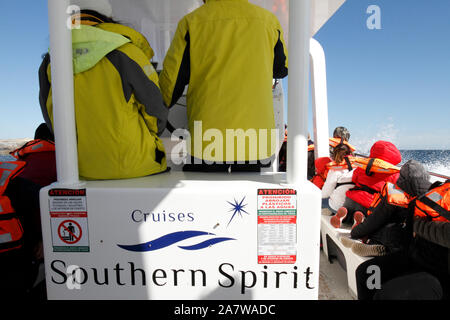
(44, 133)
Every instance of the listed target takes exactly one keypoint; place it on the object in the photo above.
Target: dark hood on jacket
(414, 179)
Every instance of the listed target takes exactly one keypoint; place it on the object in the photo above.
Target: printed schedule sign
(277, 226)
(68, 220)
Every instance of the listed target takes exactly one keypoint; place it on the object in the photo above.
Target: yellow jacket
(118, 105)
(228, 52)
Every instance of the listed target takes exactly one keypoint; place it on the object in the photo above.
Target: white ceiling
(158, 19)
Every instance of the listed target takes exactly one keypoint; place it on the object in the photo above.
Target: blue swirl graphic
(205, 244)
(172, 238)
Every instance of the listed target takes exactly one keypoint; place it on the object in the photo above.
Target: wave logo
(175, 237)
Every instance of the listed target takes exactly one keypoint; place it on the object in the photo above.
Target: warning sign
(69, 231)
(277, 226)
(69, 220)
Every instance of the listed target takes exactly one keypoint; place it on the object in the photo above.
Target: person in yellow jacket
(228, 52)
(119, 108)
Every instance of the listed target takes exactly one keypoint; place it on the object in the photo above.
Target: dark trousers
(352, 206)
(400, 279)
(198, 165)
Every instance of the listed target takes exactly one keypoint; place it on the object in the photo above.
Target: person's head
(341, 132)
(414, 178)
(340, 151)
(386, 151)
(43, 133)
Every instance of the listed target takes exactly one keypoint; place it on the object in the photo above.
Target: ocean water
(437, 161)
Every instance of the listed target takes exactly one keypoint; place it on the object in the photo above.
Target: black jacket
(431, 245)
(387, 223)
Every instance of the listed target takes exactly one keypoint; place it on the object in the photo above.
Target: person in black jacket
(384, 230)
(420, 273)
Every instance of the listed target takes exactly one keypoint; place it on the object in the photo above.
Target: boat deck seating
(334, 249)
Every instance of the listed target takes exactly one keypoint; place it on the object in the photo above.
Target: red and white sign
(277, 226)
(68, 220)
(70, 231)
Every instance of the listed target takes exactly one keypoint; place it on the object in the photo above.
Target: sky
(389, 84)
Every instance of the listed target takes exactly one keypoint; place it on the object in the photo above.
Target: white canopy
(158, 19)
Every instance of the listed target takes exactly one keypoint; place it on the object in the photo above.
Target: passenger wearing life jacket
(11, 231)
(228, 52)
(369, 182)
(341, 136)
(119, 108)
(339, 178)
(321, 171)
(417, 261)
(14, 266)
(322, 165)
(39, 154)
(435, 204)
(392, 208)
(38, 169)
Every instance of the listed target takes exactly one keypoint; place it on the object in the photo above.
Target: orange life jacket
(394, 195)
(33, 147)
(320, 177)
(375, 165)
(347, 163)
(11, 231)
(435, 204)
(333, 143)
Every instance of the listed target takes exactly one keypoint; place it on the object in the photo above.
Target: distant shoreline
(8, 145)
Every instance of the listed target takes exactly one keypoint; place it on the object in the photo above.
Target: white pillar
(62, 92)
(319, 99)
(299, 41)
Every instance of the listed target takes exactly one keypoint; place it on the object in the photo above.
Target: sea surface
(436, 161)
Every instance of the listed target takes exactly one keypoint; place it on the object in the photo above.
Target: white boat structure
(183, 235)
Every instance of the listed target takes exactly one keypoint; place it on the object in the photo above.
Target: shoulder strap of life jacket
(345, 164)
(435, 204)
(33, 147)
(8, 170)
(377, 199)
(365, 188)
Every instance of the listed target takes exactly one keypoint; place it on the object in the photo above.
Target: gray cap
(341, 132)
(414, 178)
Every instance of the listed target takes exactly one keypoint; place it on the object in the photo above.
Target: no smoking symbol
(69, 231)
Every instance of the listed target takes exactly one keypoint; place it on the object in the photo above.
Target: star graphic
(237, 208)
